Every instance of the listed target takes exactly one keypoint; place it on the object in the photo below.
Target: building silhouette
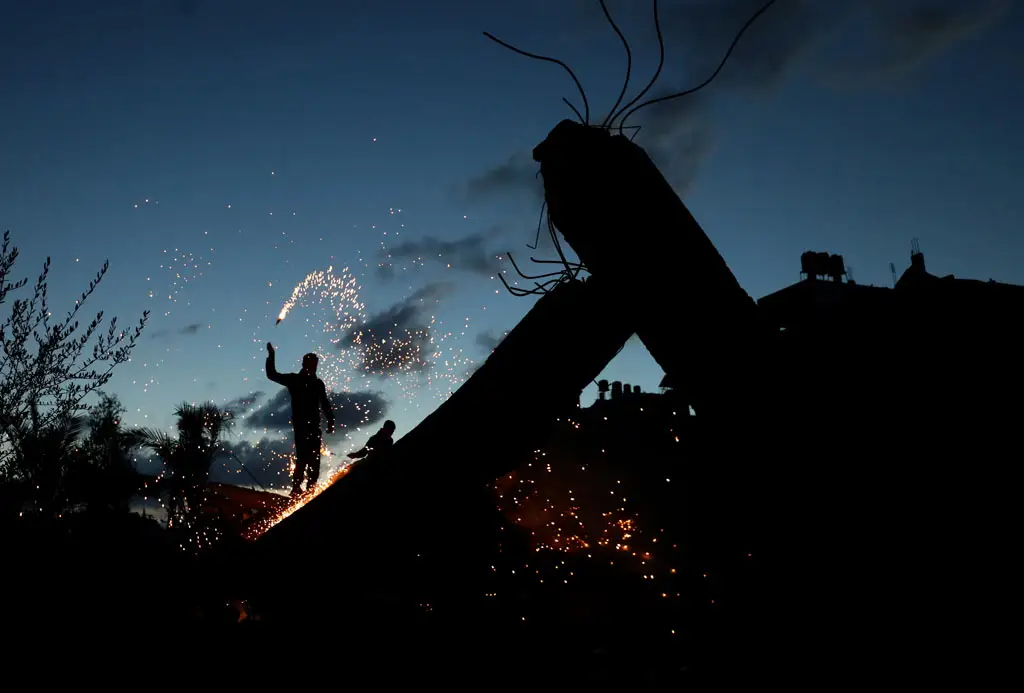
(827, 296)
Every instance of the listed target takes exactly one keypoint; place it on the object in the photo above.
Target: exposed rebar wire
(540, 221)
(661, 64)
(629, 65)
(558, 245)
(585, 120)
(535, 276)
(714, 74)
(574, 110)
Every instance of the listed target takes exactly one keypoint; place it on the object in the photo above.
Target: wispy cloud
(398, 339)
(187, 330)
(489, 340)
(518, 174)
(846, 43)
(912, 34)
(351, 410)
(239, 405)
(471, 253)
(267, 460)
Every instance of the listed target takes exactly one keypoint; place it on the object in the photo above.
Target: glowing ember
(569, 508)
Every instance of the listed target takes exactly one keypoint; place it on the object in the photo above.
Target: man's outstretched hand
(270, 349)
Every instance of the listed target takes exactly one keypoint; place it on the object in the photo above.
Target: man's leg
(314, 459)
(307, 454)
(301, 462)
(300, 470)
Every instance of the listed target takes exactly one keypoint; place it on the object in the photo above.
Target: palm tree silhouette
(108, 478)
(42, 452)
(189, 457)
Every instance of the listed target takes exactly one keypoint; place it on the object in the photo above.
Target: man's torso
(305, 393)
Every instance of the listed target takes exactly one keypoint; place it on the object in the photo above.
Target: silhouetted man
(378, 443)
(309, 397)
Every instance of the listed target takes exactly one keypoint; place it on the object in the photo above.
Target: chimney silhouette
(617, 390)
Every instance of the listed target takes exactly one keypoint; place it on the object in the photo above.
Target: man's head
(388, 426)
(309, 363)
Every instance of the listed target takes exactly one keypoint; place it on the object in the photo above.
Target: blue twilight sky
(218, 151)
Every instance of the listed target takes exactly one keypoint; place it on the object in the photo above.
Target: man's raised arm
(279, 378)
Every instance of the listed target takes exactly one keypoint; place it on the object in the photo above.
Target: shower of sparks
(265, 523)
(184, 267)
(341, 291)
(419, 365)
(575, 500)
(397, 351)
(335, 309)
(564, 513)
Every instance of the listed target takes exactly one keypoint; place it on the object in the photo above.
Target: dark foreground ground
(866, 587)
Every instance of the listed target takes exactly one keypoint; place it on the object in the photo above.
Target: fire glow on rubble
(574, 508)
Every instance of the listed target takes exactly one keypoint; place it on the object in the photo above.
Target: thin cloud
(467, 254)
(680, 134)
(913, 34)
(239, 405)
(845, 43)
(186, 331)
(398, 339)
(351, 410)
(518, 174)
(266, 462)
(489, 340)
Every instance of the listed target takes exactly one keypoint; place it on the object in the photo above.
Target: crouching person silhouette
(378, 444)
(309, 397)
